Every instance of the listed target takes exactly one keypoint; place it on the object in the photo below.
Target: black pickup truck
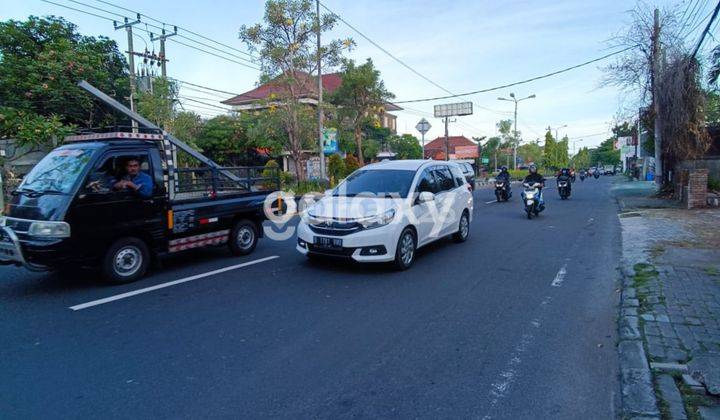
(69, 211)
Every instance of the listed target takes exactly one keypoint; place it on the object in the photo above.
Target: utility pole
(162, 38)
(516, 140)
(654, 74)
(320, 96)
(131, 61)
(447, 140)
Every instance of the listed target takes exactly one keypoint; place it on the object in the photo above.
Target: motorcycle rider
(533, 177)
(564, 175)
(504, 175)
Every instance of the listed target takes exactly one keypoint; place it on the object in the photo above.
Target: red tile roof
(308, 90)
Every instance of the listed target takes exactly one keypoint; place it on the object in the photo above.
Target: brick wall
(697, 188)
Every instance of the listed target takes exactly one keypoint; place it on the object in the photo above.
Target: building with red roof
(436, 148)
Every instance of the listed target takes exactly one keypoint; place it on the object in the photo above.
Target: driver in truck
(135, 179)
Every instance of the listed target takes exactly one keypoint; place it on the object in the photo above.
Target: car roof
(408, 165)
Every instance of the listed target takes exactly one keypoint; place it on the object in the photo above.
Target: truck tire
(126, 261)
(243, 237)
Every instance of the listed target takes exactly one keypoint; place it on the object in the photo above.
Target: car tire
(126, 261)
(243, 238)
(406, 249)
(463, 228)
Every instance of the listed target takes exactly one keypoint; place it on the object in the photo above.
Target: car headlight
(49, 229)
(378, 220)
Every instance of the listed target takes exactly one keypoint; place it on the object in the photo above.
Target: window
(458, 175)
(383, 182)
(467, 168)
(112, 169)
(444, 178)
(427, 183)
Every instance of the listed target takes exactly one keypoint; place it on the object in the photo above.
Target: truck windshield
(57, 172)
(376, 182)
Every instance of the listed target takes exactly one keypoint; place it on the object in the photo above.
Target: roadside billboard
(466, 152)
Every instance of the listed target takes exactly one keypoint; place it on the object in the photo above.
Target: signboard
(313, 167)
(423, 126)
(456, 109)
(466, 152)
(485, 161)
(330, 143)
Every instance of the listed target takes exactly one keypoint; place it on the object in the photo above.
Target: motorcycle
(564, 189)
(596, 174)
(582, 177)
(531, 199)
(502, 190)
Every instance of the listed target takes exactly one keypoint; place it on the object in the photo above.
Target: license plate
(330, 243)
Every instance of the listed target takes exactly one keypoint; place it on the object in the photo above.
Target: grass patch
(656, 251)
(712, 271)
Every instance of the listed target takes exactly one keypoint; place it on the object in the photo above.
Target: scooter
(582, 177)
(563, 189)
(596, 174)
(502, 190)
(531, 199)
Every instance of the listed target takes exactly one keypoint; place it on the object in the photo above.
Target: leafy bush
(311, 186)
(351, 164)
(336, 168)
(713, 184)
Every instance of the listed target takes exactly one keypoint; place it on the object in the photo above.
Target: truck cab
(70, 211)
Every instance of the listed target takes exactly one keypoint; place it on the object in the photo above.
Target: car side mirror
(426, 196)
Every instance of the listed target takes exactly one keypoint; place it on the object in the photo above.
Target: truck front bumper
(10, 249)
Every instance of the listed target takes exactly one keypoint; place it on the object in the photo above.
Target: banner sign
(330, 143)
(466, 152)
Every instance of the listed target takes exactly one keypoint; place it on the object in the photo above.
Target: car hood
(349, 208)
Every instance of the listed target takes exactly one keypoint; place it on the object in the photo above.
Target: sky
(463, 46)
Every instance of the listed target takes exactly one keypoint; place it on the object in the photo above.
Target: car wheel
(243, 238)
(126, 261)
(405, 250)
(463, 228)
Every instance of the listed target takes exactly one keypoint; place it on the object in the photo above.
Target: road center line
(560, 277)
(168, 284)
(490, 202)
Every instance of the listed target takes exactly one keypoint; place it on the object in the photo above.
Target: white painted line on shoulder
(490, 202)
(168, 284)
(560, 277)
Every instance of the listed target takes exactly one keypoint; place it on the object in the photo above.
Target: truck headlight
(378, 220)
(49, 229)
(3, 221)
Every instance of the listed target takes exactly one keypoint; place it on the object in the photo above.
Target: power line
(532, 79)
(203, 103)
(179, 27)
(707, 28)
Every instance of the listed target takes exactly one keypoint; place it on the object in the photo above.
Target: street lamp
(515, 143)
(556, 131)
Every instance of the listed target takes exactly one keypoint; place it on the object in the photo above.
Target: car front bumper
(355, 246)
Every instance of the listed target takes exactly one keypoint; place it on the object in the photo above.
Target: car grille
(18, 225)
(340, 252)
(334, 228)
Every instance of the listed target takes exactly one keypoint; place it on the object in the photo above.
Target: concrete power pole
(654, 74)
(447, 140)
(131, 60)
(320, 97)
(162, 38)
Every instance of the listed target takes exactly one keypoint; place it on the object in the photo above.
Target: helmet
(503, 168)
(532, 169)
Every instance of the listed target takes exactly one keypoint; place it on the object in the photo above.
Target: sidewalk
(671, 303)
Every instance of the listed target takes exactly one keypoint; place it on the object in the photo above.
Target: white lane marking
(560, 277)
(168, 284)
(490, 202)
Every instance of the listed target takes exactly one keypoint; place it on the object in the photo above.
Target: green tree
(491, 148)
(223, 138)
(286, 45)
(550, 151)
(351, 164)
(406, 146)
(158, 105)
(360, 99)
(336, 167)
(581, 159)
(41, 61)
(605, 154)
(530, 152)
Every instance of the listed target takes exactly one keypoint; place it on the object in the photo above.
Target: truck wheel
(243, 238)
(126, 261)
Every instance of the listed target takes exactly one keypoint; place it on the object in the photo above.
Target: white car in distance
(385, 211)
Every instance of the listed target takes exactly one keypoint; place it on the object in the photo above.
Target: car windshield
(376, 182)
(57, 172)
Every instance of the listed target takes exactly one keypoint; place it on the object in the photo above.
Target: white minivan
(384, 211)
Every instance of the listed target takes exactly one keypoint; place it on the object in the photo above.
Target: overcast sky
(463, 45)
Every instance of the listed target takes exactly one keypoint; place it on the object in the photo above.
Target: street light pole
(515, 134)
(320, 96)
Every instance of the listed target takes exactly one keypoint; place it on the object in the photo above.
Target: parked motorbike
(531, 199)
(563, 189)
(502, 190)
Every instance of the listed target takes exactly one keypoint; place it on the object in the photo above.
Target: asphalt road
(517, 322)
